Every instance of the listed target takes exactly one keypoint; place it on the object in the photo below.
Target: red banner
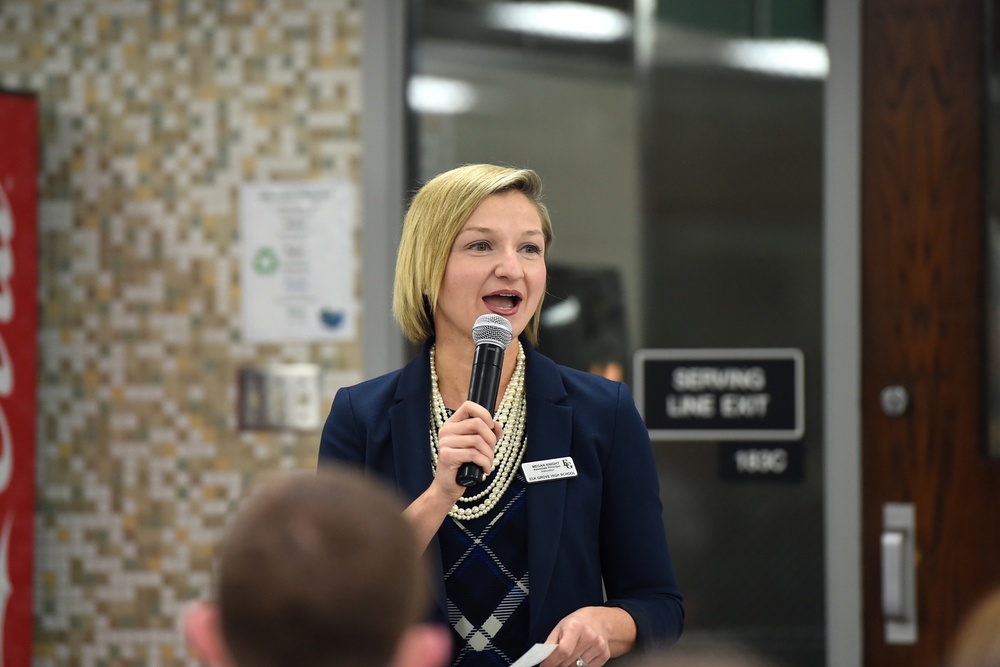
(18, 370)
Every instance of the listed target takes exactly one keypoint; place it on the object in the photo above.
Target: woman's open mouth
(502, 300)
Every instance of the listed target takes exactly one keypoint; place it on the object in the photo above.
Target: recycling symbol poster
(297, 261)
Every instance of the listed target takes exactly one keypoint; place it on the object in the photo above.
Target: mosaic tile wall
(153, 113)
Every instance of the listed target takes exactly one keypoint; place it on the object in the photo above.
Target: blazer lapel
(549, 434)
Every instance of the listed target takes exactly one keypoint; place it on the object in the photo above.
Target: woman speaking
(562, 541)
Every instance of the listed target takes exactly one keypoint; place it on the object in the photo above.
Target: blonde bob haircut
(435, 217)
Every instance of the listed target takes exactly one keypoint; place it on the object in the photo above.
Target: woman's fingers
(468, 436)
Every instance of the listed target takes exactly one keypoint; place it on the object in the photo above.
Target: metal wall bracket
(279, 397)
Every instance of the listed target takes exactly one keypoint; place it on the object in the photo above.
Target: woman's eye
(532, 248)
(479, 246)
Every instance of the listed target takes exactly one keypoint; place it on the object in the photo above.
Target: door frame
(383, 72)
(842, 335)
(383, 179)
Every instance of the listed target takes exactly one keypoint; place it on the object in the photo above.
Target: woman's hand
(469, 436)
(592, 635)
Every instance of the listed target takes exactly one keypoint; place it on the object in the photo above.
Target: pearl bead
(510, 448)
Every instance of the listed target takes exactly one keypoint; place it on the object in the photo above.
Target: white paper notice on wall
(297, 266)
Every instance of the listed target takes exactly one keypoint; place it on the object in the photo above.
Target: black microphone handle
(487, 365)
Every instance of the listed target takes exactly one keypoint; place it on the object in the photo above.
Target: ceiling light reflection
(438, 95)
(792, 58)
(561, 20)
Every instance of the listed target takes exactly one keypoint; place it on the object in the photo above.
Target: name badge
(543, 471)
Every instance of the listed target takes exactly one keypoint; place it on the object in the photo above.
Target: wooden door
(923, 314)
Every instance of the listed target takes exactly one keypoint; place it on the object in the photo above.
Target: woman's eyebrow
(476, 230)
(490, 230)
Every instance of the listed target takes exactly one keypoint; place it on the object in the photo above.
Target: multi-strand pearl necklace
(509, 450)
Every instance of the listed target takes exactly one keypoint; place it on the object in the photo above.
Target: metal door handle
(899, 574)
(893, 567)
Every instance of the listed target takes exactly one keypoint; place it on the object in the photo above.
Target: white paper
(297, 268)
(535, 655)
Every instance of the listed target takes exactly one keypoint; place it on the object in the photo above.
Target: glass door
(680, 144)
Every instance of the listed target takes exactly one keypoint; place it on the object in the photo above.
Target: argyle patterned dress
(486, 580)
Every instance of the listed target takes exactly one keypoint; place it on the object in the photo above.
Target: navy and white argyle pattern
(486, 580)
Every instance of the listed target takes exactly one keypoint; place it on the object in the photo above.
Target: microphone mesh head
(494, 329)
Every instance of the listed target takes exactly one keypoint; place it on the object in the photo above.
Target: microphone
(492, 334)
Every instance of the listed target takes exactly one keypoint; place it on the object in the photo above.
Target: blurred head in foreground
(977, 643)
(318, 569)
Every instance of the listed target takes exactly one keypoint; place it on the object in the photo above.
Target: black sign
(761, 462)
(754, 394)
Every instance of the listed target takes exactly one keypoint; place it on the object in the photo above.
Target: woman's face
(496, 265)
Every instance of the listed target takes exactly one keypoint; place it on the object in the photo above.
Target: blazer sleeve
(343, 437)
(357, 430)
(638, 574)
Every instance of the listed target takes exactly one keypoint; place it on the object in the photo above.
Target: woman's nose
(509, 266)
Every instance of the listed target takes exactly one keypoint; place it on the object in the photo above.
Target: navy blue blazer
(603, 526)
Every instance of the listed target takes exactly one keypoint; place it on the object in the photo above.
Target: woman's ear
(202, 628)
